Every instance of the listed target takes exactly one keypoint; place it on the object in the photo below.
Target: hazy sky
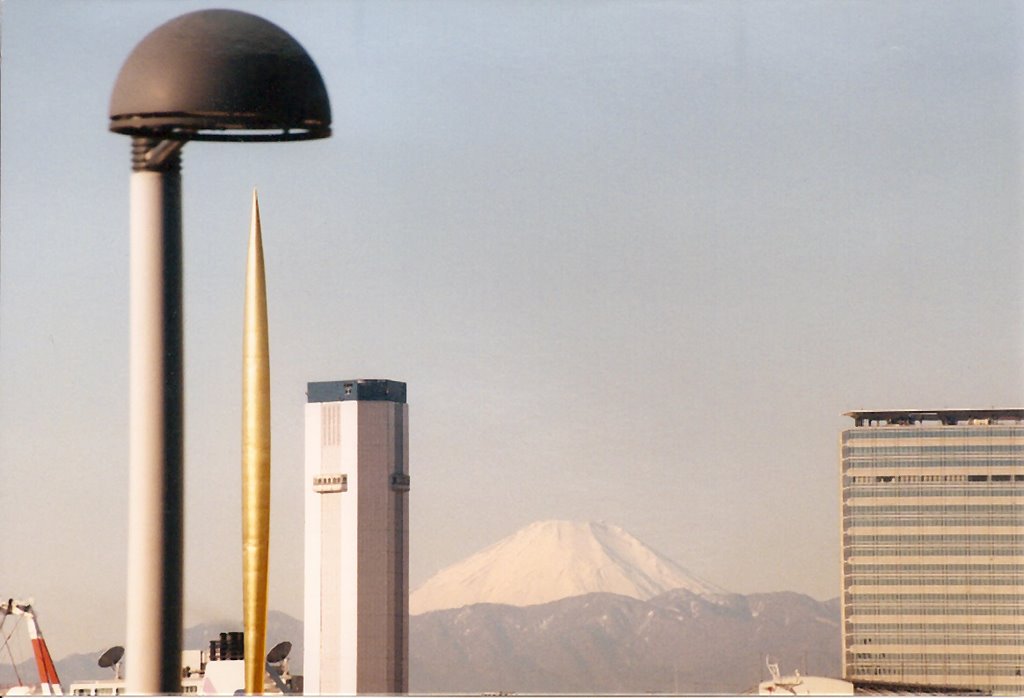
(634, 260)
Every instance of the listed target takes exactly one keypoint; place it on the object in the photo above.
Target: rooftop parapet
(360, 389)
(946, 417)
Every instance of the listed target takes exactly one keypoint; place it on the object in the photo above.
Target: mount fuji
(552, 560)
(586, 608)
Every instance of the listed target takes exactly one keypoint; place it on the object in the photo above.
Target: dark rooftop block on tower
(381, 390)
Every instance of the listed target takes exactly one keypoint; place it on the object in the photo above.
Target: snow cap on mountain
(551, 560)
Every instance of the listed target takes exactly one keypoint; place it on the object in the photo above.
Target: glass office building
(933, 549)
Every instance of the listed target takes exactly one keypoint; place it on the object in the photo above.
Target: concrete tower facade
(356, 538)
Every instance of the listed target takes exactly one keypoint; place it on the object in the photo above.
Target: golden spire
(255, 459)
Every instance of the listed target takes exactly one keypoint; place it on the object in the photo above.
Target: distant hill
(678, 642)
(594, 643)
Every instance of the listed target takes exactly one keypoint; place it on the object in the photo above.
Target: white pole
(153, 641)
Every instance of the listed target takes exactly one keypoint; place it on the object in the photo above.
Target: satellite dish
(111, 656)
(279, 652)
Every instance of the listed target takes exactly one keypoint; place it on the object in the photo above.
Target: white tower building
(357, 538)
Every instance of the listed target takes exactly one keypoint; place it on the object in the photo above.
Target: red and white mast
(49, 683)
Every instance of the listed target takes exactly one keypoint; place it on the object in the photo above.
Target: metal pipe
(155, 516)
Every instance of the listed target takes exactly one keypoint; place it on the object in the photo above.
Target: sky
(634, 261)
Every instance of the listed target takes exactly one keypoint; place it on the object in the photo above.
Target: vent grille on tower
(330, 427)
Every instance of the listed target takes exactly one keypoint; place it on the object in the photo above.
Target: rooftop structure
(948, 417)
(363, 389)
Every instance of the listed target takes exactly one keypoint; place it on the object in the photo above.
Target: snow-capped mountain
(551, 560)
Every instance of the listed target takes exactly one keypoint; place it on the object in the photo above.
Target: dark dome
(220, 75)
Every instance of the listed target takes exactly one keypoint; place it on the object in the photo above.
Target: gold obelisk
(255, 459)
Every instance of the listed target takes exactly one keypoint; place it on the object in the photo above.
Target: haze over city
(633, 260)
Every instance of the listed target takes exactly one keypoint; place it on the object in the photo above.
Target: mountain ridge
(677, 642)
(601, 642)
